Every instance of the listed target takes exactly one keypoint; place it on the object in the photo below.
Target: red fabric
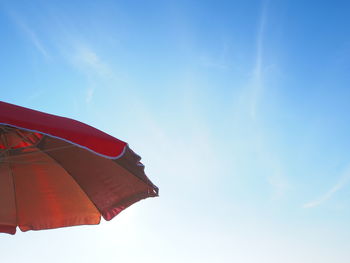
(109, 185)
(46, 182)
(8, 229)
(47, 196)
(63, 128)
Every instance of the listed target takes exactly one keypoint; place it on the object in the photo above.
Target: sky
(239, 110)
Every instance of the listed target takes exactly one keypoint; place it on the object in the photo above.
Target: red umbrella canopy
(57, 172)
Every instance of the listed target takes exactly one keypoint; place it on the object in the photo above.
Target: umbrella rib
(25, 138)
(7, 157)
(3, 128)
(36, 152)
(32, 162)
(5, 142)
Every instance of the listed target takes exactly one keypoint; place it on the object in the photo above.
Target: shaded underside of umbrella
(57, 172)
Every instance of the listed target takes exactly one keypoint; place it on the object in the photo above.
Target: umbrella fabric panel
(110, 186)
(8, 220)
(64, 128)
(131, 162)
(47, 196)
(57, 172)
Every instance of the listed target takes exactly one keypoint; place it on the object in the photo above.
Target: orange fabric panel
(8, 220)
(47, 196)
(109, 185)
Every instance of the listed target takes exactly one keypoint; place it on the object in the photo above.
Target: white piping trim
(80, 146)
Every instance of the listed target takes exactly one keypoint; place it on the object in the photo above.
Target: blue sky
(238, 108)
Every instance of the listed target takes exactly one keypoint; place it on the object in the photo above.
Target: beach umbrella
(57, 172)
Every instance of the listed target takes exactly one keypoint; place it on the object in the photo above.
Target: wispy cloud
(86, 59)
(30, 33)
(343, 181)
(96, 70)
(76, 51)
(256, 141)
(89, 94)
(258, 78)
(216, 62)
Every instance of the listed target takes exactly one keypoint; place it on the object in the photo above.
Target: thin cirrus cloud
(92, 66)
(257, 79)
(30, 34)
(343, 181)
(89, 61)
(89, 95)
(219, 62)
(269, 160)
(78, 54)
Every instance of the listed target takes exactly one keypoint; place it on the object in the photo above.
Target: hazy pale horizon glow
(239, 110)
